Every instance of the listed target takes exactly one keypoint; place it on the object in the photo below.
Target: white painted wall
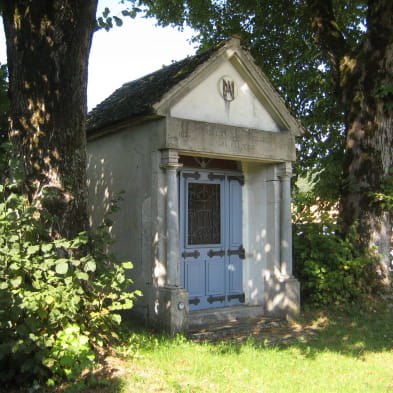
(204, 103)
(262, 278)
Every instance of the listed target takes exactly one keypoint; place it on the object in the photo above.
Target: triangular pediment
(222, 85)
(224, 97)
(229, 89)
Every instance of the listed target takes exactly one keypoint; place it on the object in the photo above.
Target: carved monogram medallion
(227, 88)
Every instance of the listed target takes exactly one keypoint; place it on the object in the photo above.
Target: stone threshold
(220, 322)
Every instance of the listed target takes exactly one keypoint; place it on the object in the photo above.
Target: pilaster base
(171, 309)
(282, 297)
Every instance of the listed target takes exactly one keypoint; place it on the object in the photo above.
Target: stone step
(240, 320)
(201, 318)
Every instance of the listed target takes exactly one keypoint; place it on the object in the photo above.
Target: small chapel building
(203, 150)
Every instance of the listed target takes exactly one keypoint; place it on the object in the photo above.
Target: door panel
(235, 213)
(211, 238)
(235, 267)
(215, 272)
(195, 278)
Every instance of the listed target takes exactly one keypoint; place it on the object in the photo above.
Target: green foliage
(327, 267)
(386, 92)
(106, 20)
(330, 269)
(70, 354)
(384, 197)
(58, 303)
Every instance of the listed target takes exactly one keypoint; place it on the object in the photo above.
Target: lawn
(348, 353)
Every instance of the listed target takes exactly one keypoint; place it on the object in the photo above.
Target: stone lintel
(200, 138)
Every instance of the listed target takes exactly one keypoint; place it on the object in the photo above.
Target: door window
(204, 219)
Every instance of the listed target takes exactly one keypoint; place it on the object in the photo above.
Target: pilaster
(285, 175)
(169, 162)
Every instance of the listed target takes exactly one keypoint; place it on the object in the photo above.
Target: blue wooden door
(211, 238)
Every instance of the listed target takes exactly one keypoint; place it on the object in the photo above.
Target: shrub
(329, 268)
(56, 308)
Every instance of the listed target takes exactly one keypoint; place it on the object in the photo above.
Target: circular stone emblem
(227, 88)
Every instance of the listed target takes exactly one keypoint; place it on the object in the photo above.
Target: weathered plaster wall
(127, 161)
(205, 103)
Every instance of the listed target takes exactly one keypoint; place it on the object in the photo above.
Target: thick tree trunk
(370, 141)
(48, 44)
(369, 160)
(361, 74)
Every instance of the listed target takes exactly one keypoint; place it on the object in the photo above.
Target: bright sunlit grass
(187, 367)
(353, 353)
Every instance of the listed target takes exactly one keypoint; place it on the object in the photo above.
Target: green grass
(352, 353)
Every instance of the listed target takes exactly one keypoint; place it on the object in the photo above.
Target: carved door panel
(211, 269)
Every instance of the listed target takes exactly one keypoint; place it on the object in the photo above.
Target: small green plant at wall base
(55, 308)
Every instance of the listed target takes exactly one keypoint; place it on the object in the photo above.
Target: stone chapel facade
(203, 150)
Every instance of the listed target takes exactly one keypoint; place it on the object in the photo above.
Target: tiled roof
(137, 98)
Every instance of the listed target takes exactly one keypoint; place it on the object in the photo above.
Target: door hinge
(213, 176)
(193, 175)
(240, 296)
(195, 301)
(239, 178)
(212, 253)
(240, 251)
(211, 299)
(194, 254)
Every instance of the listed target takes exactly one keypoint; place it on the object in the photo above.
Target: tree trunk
(361, 73)
(48, 44)
(370, 140)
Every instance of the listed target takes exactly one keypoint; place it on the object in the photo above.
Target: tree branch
(328, 35)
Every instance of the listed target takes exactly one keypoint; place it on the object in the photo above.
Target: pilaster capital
(170, 159)
(285, 170)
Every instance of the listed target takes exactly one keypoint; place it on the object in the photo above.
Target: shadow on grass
(351, 333)
(105, 385)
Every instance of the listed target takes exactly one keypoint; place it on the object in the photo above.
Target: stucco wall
(260, 222)
(127, 161)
